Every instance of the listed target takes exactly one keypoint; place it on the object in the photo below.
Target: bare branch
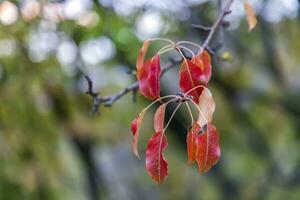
(95, 96)
(109, 100)
(217, 24)
(90, 87)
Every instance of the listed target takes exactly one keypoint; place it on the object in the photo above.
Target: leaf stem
(200, 111)
(183, 47)
(191, 43)
(161, 98)
(163, 39)
(169, 121)
(194, 88)
(166, 49)
(189, 109)
(180, 52)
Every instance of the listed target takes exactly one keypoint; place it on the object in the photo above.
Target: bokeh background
(52, 148)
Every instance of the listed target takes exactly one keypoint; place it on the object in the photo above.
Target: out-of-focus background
(51, 148)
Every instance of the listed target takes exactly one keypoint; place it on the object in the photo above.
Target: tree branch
(217, 24)
(109, 100)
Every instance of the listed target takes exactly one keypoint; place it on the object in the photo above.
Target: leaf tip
(252, 21)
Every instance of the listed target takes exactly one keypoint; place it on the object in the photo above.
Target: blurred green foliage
(51, 148)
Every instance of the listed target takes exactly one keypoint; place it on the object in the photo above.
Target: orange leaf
(208, 149)
(252, 21)
(203, 59)
(135, 127)
(207, 106)
(142, 54)
(159, 118)
(191, 142)
(156, 164)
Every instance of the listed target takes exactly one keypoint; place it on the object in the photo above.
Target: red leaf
(135, 127)
(191, 142)
(190, 76)
(156, 165)
(252, 21)
(148, 76)
(207, 106)
(159, 118)
(208, 149)
(194, 73)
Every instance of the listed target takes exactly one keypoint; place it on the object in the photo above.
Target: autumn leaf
(159, 118)
(148, 77)
(148, 73)
(135, 127)
(252, 21)
(208, 149)
(191, 142)
(203, 60)
(142, 53)
(207, 107)
(156, 164)
(190, 76)
(195, 72)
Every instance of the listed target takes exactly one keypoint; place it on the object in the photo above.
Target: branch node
(96, 100)
(90, 87)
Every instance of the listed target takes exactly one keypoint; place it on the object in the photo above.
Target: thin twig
(109, 100)
(90, 87)
(217, 24)
(95, 96)
(202, 27)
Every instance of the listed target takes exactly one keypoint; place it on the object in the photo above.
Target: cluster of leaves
(194, 75)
